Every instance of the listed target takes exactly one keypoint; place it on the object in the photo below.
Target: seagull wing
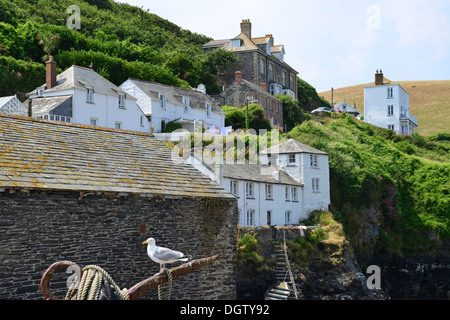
(165, 254)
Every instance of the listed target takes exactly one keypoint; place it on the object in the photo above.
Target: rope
(90, 286)
(169, 283)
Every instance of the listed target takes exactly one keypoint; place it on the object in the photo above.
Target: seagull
(163, 255)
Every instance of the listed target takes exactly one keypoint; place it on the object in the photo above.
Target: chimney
(276, 174)
(238, 77)
(246, 28)
(379, 78)
(50, 67)
(264, 85)
(202, 88)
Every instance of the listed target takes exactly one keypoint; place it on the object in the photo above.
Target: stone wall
(38, 228)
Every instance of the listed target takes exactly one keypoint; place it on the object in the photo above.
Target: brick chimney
(246, 28)
(264, 85)
(50, 68)
(379, 78)
(238, 77)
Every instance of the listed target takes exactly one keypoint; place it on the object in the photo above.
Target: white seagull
(163, 255)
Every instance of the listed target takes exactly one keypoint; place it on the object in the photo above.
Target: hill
(429, 102)
(117, 39)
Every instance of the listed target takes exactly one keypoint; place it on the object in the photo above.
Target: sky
(335, 43)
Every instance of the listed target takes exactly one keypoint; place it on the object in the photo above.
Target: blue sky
(332, 43)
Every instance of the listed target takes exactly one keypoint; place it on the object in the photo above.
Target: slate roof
(60, 105)
(258, 173)
(79, 78)
(50, 155)
(174, 95)
(292, 146)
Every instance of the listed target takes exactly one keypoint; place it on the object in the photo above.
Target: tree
(292, 113)
(214, 62)
(49, 42)
(236, 117)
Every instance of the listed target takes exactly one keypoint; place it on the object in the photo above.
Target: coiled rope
(169, 283)
(90, 286)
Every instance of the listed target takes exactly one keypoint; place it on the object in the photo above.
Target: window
(287, 217)
(391, 127)
(121, 100)
(271, 74)
(94, 121)
(163, 101)
(390, 110)
(294, 194)
(261, 66)
(249, 190)
(142, 121)
(163, 125)
(118, 125)
(291, 159)
(208, 109)
(315, 185)
(250, 217)
(286, 194)
(283, 78)
(269, 217)
(186, 104)
(390, 93)
(40, 92)
(234, 187)
(268, 188)
(90, 95)
(313, 160)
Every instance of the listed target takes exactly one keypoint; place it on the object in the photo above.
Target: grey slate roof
(174, 95)
(79, 78)
(49, 155)
(254, 172)
(60, 105)
(292, 146)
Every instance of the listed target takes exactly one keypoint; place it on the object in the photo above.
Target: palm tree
(49, 42)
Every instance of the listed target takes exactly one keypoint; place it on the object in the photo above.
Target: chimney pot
(379, 78)
(238, 76)
(50, 72)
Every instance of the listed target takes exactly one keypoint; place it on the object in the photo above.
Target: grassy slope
(429, 102)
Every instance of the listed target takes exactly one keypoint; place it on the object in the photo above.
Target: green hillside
(429, 102)
(402, 181)
(118, 40)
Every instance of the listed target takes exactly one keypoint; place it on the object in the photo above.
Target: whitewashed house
(163, 103)
(346, 107)
(292, 180)
(80, 95)
(386, 105)
(12, 105)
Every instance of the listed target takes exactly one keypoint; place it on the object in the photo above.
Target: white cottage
(386, 105)
(80, 95)
(292, 180)
(12, 105)
(163, 103)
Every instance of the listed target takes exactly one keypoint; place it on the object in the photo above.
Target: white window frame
(294, 194)
(163, 101)
(249, 190)
(269, 217)
(313, 161)
(391, 127)
(186, 104)
(315, 185)
(390, 110)
(89, 95)
(208, 109)
(118, 125)
(141, 121)
(94, 122)
(287, 217)
(292, 159)
(250, 217)
(234, 188)
(287, 194)
(268, 189)
(390, 93)
(121, 101)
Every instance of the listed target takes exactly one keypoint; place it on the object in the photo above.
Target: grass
(429, 102)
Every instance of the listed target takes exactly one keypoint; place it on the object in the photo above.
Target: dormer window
(90, 95)
(121, 100)
(40, 92)
(186, 104)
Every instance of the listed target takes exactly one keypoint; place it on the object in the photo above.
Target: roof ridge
(76, 125)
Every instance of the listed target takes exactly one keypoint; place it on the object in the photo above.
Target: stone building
(91, 195)
(242, 92)
(259, 60)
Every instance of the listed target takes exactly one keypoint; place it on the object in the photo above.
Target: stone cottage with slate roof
(163, 103)
(260, 61)
(91, 195)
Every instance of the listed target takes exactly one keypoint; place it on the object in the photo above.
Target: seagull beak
(145, 242)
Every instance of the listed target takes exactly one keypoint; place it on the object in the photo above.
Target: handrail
(288, 265)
